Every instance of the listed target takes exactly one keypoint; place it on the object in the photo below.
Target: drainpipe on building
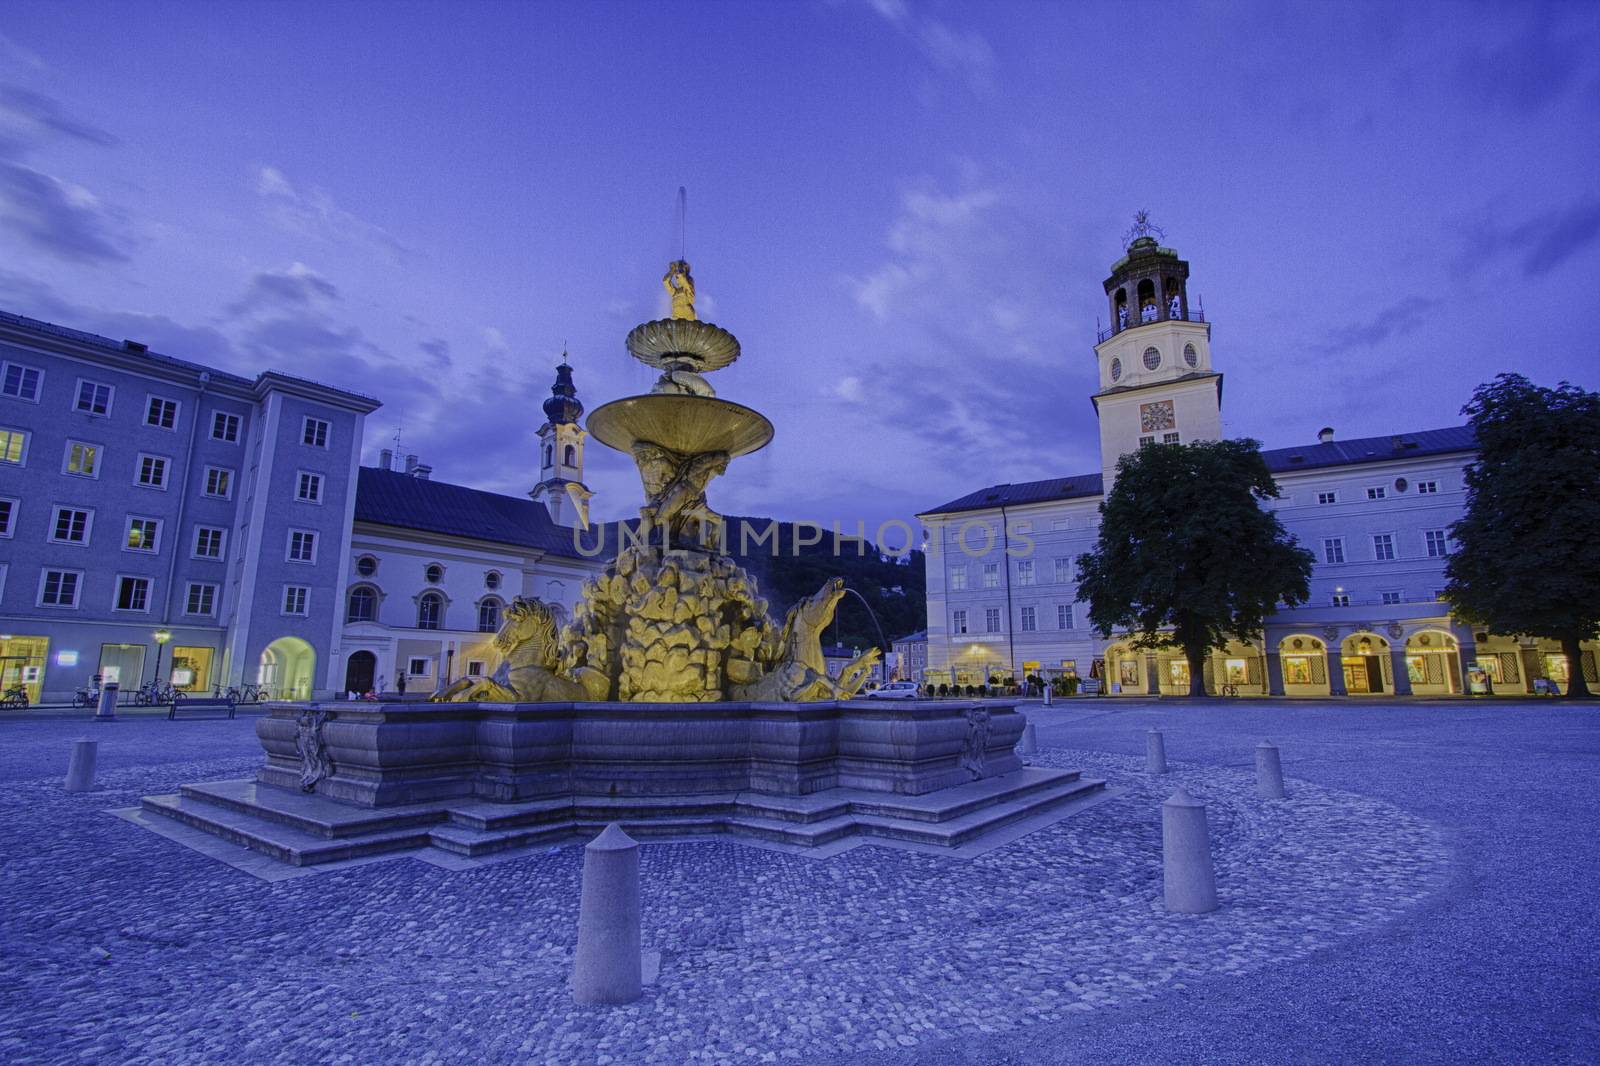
(175, 541)
(1005, 566)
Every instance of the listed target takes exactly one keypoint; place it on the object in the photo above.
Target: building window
(1058, 524)
(302, 546)
(475, 667)
(93, 398)
(201, 598)
(21, 382)
(569, 456)
(1025, 572)
(1427, 488)
(208, 542)
(219, 482)
(991, 575)
(958, 579)
(83, 460)
(1169, 438)
(1333, 550)
(991, 619)
(296, 599)
(489, 615)
(1438, 547)
(958, 622)
(143, 534)
(1145, 442)
(133, 594)
(430, 611)
(8, 516)
(152, 471)
(1327, 497)
(1341, 599)
(1030, 619)
(433, 574)
(1063, 571)
(314, 432)
(59, 588)
(225, 427)
(161, 413)
(1152, 358)
(1383, 546)
(366, 566)
(418, 667)
(1191, 356)
(491, 580)
(1377, 492)
(363, 606)
(72, 526)
(13, 446)
(1063, 616)
(1390, 597)
(309, 489)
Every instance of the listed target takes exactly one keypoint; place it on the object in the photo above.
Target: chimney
(1325, 435)
(411, 462)
(421, 470)
(386, 460)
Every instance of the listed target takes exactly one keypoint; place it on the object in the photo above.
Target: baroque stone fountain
(670, 702)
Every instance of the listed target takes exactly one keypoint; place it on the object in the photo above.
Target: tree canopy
(1525, 560)
(1187, 555)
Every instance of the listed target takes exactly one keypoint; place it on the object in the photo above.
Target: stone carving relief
(313, 749)
(977, 745)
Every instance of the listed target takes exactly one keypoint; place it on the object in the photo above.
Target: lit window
(152, 471)
(1063, 616)
(133, 594)
(93, 398)
(202, 598)
(1377, 492)
(1438, 547)
(59, 588)
(991, 620)
(1383, 546)
(208, 542)
(295, 599)
(225, 427)
(309, 489)
(958, 622)
(991, 575)
(1389, 597)
(143, 534)
(314, 433)
(219, 482)
(1333, 550)
(1327, 497)
(1427, 488)
(161, 413)
(489, 615)
(958, 579)
(1025, 572)
(83, 459)
(13, 446)
(8, 515)
(21, 382)
(71, 527)
(430, 611)
(1030, 619)
(302, 546)
(363, 605)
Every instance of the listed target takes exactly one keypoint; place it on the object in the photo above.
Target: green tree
(1525, 561)
(1187, 555)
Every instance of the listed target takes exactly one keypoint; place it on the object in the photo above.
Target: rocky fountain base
(343, 780)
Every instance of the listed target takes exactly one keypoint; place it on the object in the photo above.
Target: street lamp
(162, 636)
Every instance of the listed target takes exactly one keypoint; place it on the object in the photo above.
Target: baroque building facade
(1375, 512)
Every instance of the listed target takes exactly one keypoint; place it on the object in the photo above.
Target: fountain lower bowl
(689, 425)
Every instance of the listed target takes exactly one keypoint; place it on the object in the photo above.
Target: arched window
(549, 454)
(363, 605)
(430, 611)
(489, 615)
(433, 574)
(570, 456)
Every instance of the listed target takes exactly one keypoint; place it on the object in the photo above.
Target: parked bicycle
(15, 699)
(155, 693)
(86, 697)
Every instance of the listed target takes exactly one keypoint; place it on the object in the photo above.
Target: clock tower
(1156, 381)
(561, 488)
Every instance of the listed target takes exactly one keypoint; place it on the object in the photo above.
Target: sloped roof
(1279, 461)
(390, 498)
(911, 638)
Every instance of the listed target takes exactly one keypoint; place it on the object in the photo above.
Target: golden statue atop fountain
(673, 618)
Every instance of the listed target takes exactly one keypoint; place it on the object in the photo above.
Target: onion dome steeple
(561, 438)
(563, 405)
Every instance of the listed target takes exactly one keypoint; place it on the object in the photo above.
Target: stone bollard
(1188, 879)
(1155, 752)
(1269, 772)
(80, 768)
(107, 711)
(608, 967)
(1029, 744)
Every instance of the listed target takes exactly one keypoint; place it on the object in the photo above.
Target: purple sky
(904, 210)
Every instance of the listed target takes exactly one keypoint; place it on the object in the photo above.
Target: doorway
(360, 672)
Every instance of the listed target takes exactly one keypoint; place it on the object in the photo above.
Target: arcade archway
(288, 667)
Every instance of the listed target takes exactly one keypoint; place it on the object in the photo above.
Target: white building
(1001, 561)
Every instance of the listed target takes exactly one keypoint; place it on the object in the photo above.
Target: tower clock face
(1157, 416)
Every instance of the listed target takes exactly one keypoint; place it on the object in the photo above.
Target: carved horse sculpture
(527, 645)
(799, 671)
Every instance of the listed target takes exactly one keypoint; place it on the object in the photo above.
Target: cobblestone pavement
(120, 946)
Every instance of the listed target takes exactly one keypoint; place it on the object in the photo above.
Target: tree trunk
(1197, 669)
(1577, 684)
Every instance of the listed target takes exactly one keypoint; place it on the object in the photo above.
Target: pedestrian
(400, 683)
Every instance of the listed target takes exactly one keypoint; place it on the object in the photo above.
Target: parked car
(894, 690)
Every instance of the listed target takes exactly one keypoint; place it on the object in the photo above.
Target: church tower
(561, 488)
(1156, 381)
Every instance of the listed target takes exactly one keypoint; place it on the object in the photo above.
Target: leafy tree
(1525, 561)
(1187, 555)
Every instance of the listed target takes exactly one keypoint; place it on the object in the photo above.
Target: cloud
(1541, 242)
(929, 240)
(1396, 320)
(59, 217)
(848, 389)
(1525, 70)
(25, 110)
(437, 350)
(965, 55)
(297, 287)
(312, 211)
(23, 55)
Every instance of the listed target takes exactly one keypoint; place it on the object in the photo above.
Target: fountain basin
(683, 342)
(689, 425)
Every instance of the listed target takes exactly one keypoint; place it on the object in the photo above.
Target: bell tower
(1156, 381)
(561, 488)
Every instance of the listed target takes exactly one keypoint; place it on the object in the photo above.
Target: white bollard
(1188, 880)
(1029, 744)
(107, 711)
(1269, 772)
(608, 967)
(1155, 752)
(80, 767)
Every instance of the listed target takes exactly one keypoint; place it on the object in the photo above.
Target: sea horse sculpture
(526, 642)
(798, 671)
